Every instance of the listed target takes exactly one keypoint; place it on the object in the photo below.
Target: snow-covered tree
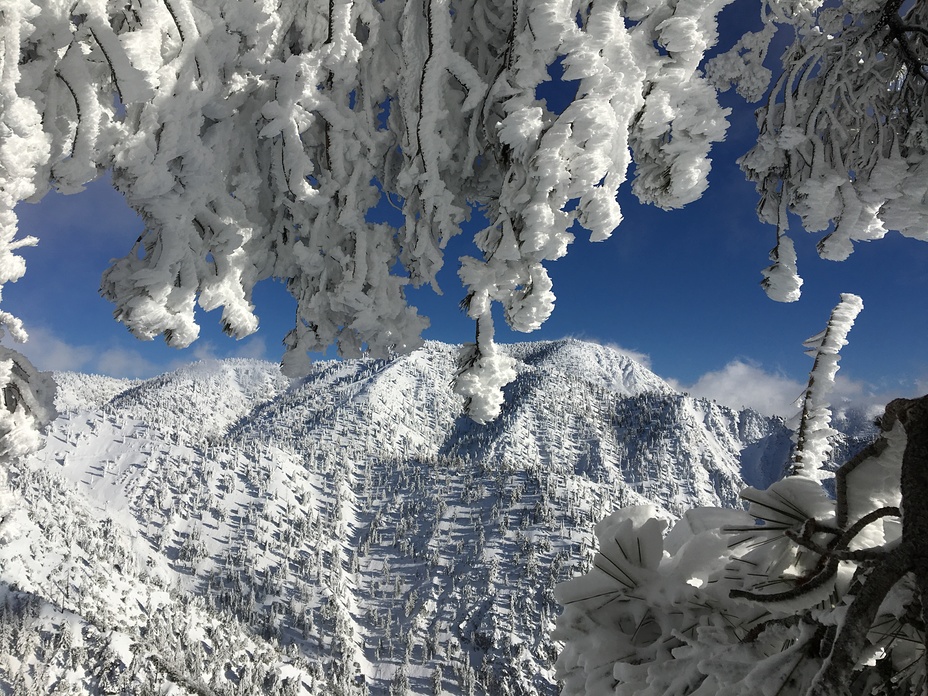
(254, 138)
(804, 593)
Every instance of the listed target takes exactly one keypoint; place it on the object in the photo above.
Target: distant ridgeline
(224, 531)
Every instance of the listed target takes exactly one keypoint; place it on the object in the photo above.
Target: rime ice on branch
(329, 106)
(842, 135)
(814, 430)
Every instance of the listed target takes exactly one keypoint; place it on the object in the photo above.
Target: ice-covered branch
(333, 105)
(814, 431)
(798, 600)
(837, 142)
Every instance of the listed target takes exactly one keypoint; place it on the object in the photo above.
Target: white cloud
(745, 384)
(920, 386)
(203, 350)
(642, 359)
(48, 352)
(254, 348)
(741, 384)
(123, 362)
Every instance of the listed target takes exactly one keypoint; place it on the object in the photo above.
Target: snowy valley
(221, 530)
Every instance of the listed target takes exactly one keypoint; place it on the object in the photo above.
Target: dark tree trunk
(910, 556)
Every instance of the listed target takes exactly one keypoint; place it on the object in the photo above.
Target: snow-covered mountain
(224, 531)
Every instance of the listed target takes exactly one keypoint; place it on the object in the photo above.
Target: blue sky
(678, 289)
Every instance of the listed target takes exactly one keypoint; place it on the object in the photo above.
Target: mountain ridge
(356, 532)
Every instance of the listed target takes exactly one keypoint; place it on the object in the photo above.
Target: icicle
(781, 281)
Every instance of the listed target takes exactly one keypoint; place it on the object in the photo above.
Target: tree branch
(871, 451)
(834, 676)
(911, 555)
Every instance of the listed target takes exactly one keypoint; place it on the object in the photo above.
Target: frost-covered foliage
(804, 593)
(334, 108)
(737, 603)
(814, 431)
(843, 133)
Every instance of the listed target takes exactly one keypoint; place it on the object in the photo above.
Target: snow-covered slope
(203, 398)
(350, 533)
(89, 392)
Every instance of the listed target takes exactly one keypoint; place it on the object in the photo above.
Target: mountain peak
(604, 366)
(356, 524)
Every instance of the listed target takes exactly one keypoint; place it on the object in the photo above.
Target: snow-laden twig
(814, 431)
